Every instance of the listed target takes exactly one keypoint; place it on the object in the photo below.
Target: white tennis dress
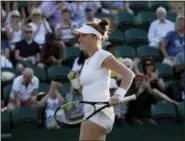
(95, 87)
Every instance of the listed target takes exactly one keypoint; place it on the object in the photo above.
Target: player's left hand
(115, 100)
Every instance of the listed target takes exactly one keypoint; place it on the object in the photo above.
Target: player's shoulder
(104, 52)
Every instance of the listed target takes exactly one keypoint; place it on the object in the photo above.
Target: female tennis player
(94, 80)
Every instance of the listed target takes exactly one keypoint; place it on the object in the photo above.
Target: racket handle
(129, 98)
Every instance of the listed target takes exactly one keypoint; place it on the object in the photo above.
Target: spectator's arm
(161, 84)
(16, 92)
(59, 96)
(43, 101)
(9, 32)
(18, 57)
(47, 27)
(38, 57)
(159, 94)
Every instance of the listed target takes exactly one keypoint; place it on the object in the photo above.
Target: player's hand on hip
(115, 100)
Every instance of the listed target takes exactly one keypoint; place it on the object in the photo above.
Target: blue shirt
(175, 43)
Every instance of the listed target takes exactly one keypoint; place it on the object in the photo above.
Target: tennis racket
(83, 110)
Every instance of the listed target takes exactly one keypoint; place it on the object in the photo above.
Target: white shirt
(41, 32)
(5, 63)
(25, 93)
(95, 81)
(76, 66)
(159, 30)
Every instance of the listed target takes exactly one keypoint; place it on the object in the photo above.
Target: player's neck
(92, 52)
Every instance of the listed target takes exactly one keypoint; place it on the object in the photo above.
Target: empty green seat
(135, 37)
(164, 112)
(146, 52)
(103, 15)
(116, 37)
(171, 16)
(155, 4)
(5, 122)
(66, 88)
(25, 115)
(6, 93)
(71, 52)
(124, 21)
(125, 51)
(58, 73)
(181, 111)
(43, 87)
(144, 19)
(138, 6)
(40, 73)
(165, 71)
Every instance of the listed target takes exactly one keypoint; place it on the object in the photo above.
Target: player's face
(86, 40)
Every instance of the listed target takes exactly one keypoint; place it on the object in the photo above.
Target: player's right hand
(115, 100)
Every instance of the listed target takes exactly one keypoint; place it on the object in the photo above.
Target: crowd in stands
(39, 37)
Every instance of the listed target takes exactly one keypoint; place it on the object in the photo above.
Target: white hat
(15, 13)
(113, 84)
(87, 29)
(128, 62)
(36, 11)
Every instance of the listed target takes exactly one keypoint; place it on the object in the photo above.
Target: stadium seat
(6, 93)
(125, 51)
(171, 16)
(58, 73)
(116, 37)
(124, 21)
(66, 88)
(71, 52)
(5, 122)
(138, 6)
(43, 87)
(181, 111)
(165, 71)
(155, 4)
(103, 15)
(146, 52)
(25, 118)
(40, 73)
(135, 37)
(164, 113)
(144, 19)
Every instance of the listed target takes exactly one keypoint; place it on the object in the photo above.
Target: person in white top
(94, 80)
(24, 90)
(159, 28)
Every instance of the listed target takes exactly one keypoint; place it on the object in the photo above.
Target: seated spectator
(5, 62)
(52, 100)
(52, 11)
(64, 30)
(112, 49)
(27, 49)
(52, 52)
(90, 15)
(78, 12)
(152, 75)
(14, 29)
(174, 42)
(159, 28)
(40, 26)
(139, 111)
(24, 90)
(117, 6)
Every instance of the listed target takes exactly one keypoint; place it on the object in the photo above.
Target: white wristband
(121, 92)
(75, 83)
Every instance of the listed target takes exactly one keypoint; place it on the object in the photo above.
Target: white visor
(86, 29)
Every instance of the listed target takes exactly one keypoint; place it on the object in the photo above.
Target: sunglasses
(15, 16)
(27, 32)
(149, 64)
(36, 15)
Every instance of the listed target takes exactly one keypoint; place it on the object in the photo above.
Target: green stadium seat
(71, 52)
(66, 88)
(103, 15)
(5, 122)
(165, 71)
(58, 73)
(43, 87)
(171, 16)
(116, 37)
(144, 19)
(125, 51)
(155, 4)
(146, 52)
(6, 93)
(135, 37)
(181, 111)
(40, 73)
(138, 6)
(124, 21)
(25, 118)
(164, 113)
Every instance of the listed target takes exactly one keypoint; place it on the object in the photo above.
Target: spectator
(27, 49)
(52, 11)
(173, 43)
(52, 52)
(112, 49)
(52, 100)
(117, 6)
(159, 28)
(5, 62)
(139, 111)
(64, 30)
(90, 15)
(24, 90)
(40, 26)
(78, 11)
(14, 29)
(152, 76)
